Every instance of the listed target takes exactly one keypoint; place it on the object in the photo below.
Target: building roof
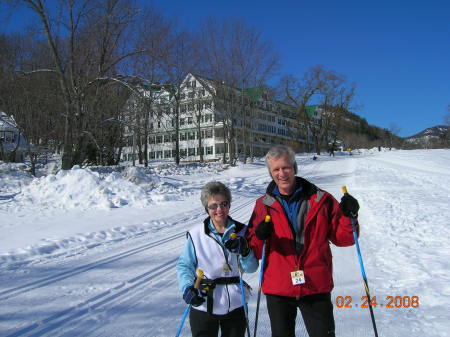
(7, 123)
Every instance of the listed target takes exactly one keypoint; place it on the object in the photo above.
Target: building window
(158, 139)
(192, 151)
(190, 120)
(183, 136)
(182, 121)
(167, 153)
(209, 150)
(208, 118)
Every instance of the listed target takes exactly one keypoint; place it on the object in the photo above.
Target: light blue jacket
(187, 262)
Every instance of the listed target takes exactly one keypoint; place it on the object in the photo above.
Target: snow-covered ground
(93, 252)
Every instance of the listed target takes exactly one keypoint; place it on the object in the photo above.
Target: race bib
(298, 277)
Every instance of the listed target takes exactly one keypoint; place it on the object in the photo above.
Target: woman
(209, 247)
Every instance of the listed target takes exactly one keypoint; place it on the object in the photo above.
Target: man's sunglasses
(223, 204)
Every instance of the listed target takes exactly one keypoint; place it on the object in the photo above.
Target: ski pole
(198, 280)
(261, 271)
(361, 265)
(241, 285)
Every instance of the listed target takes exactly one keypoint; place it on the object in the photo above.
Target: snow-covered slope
(93, 252)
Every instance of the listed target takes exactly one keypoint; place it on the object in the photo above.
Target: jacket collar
(207, 221)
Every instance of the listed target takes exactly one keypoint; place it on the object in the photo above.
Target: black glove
(264, 230)
(349, 206)
(191, 296)
(238, 246)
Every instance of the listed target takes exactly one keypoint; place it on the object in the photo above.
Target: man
(298, 268)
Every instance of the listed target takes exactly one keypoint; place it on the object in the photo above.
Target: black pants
(317, 313)
(232, 324)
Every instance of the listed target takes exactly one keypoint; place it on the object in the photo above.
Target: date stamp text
(388, 302)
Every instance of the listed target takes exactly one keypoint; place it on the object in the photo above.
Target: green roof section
(311, 110)
(254, 94)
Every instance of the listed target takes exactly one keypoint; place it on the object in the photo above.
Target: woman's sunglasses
(223, 204)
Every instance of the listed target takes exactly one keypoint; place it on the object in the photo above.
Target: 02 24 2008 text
(390, 302)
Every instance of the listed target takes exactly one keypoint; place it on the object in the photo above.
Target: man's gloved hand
(349, 206)
(264, 230)
(238, 246)
(191, 296)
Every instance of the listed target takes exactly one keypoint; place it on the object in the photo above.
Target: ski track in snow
(126, 284)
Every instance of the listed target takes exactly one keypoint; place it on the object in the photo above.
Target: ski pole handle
(352, 215)
(198, 280)
(267, 218)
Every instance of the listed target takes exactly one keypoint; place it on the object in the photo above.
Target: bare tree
(299, 93)
(88, 42)
(28, 98)
(335, 112)
(181, 58)
(235, 58)
(393, 132)
(155, 36)
(332, 96)
(253, 63)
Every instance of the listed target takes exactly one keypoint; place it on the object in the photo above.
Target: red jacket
(323, 223)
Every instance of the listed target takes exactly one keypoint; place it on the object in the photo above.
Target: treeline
(67, 77)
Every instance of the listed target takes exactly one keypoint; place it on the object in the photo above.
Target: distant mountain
(434, 134)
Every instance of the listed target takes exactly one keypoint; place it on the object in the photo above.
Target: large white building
(214, 120)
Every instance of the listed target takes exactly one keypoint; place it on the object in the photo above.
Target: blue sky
(397, 51)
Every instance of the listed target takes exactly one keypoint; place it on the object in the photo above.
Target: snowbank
(83, 189)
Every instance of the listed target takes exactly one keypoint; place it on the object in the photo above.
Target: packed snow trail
(125, 285)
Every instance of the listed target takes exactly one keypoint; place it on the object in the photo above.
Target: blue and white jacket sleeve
(186, 266)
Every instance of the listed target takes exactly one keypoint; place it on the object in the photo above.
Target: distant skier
(331, 150)
(298, 272)
(209, 247)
